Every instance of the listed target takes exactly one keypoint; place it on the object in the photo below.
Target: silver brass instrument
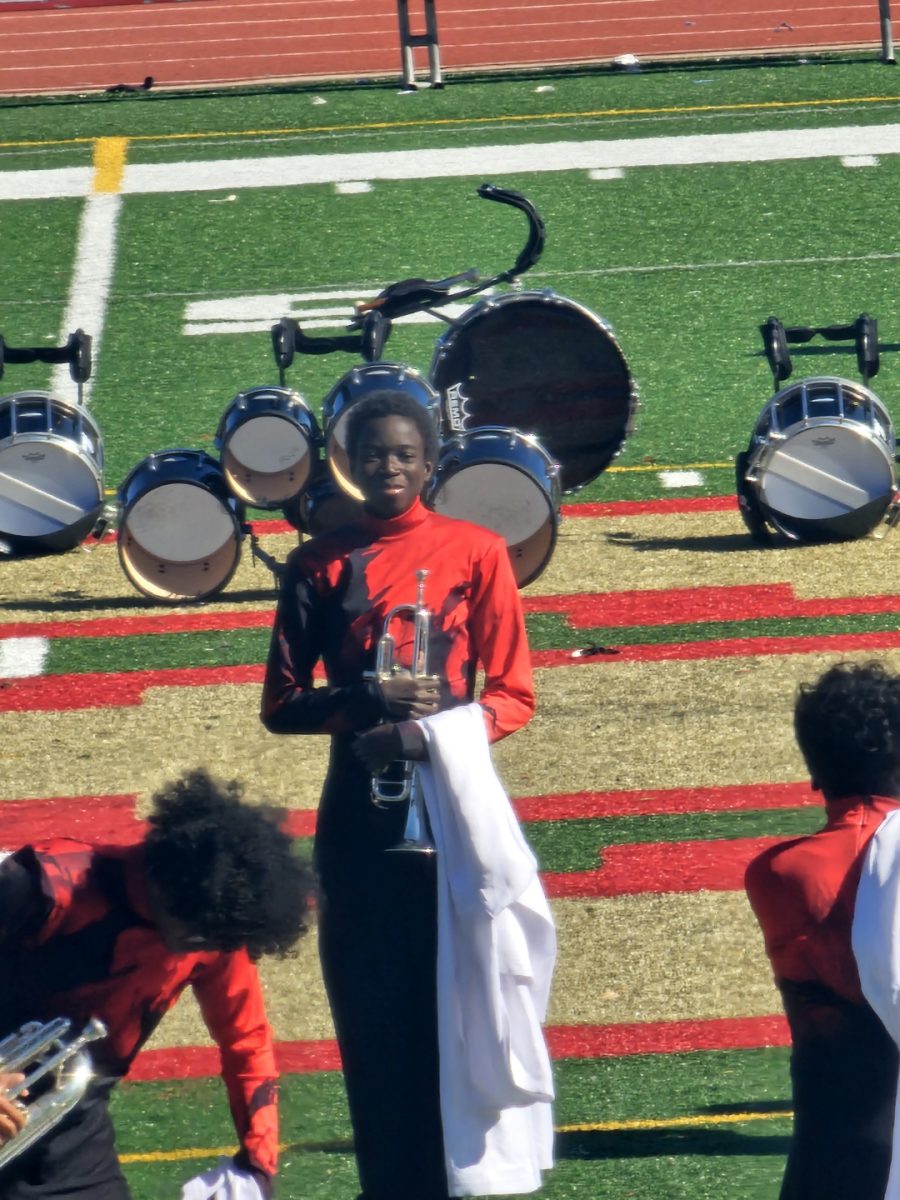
(402, 786)
(57, 1073)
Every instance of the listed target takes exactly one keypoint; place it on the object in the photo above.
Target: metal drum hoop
(544, 364)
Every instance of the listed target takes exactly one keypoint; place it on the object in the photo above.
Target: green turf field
(215, 215)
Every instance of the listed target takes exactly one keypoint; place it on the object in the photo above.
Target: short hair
(390, 403)
(226, 869)
(847, 725)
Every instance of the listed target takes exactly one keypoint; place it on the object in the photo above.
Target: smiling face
(390, 466)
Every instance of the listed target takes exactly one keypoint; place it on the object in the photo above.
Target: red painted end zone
(564, 1042)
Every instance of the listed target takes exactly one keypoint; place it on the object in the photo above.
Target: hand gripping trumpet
(399, 783)
(57, 1074)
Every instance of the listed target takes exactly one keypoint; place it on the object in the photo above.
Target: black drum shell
(543, 364)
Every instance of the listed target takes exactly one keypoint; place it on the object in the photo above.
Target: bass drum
(507, 482)
(356, 385)
(820, 466)
(268, 442)
(51, 472)
(180, 528)
(540, 363)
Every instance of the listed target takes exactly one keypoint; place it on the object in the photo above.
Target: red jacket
(82, 944)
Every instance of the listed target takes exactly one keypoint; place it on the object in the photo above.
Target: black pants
(378, 946)
(77, 1159)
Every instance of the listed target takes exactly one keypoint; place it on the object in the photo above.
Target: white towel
(222, 1182)
(875, 938)
(496, 950)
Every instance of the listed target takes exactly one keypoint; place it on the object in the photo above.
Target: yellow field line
(110, 154)
(738, 1118)
(375, 126)
(702, 466)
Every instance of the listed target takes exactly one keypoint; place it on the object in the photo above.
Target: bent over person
(803, 891)
(377, 918)
(117, 933)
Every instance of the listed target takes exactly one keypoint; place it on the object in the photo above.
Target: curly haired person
(803, 891)
(118, 932)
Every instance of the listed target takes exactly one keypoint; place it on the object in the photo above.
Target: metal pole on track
(887, 40)
(429, 39)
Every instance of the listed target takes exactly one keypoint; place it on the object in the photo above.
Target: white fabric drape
(875, 938)
(222, 1182)
(496, 951)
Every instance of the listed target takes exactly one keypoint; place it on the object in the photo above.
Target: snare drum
(820, 466)
(268, 441)
(356, 385)
(180, 529)
(51, 472)
(507, 482)
(540, 363)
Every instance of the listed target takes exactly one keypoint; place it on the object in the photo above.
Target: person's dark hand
(407, 698)
(378, 747)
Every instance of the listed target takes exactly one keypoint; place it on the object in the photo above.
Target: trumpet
(399, 783)
(57, 1073)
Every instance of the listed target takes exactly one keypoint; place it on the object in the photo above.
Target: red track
(85, 45)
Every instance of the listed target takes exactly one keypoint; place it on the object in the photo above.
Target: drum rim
(370, 368)
(185, 450)
(177, 600)
(532, 440)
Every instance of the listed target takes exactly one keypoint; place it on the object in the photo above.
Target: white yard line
(480, 161)
(95, 259)
(22, 657)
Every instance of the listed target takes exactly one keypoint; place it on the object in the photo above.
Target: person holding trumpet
(110, 936)
(378, 910)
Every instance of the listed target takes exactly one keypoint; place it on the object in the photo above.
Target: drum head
(544, 365)
(179, 542)
(832, 475)
(266, 461)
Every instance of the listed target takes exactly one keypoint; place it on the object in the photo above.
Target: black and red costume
(843, 1061)
(77, 940)
(377, 920)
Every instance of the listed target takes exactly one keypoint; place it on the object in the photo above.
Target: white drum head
(179, 523)
(45, 487)
(268, 445)
(267, 461)
(824, 471)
